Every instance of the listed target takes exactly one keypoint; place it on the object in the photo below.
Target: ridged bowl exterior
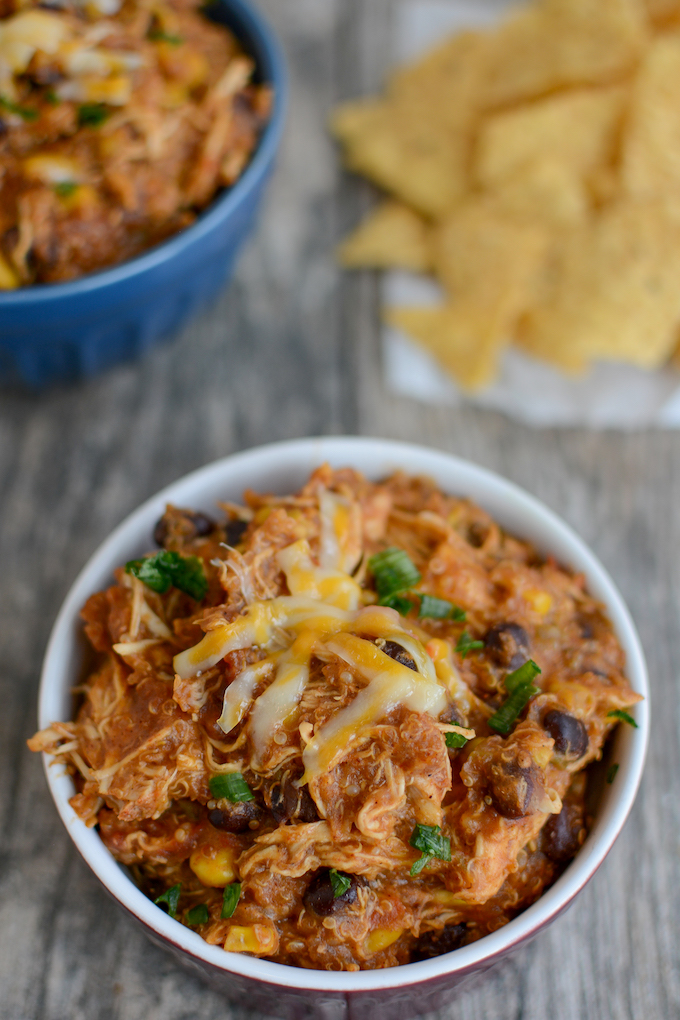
(291, 993)
(65, 331)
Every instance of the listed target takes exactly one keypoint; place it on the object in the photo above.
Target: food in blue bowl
(135, 143)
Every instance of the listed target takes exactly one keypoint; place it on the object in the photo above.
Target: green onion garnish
(171, 898)
(466, 644)
(611, 772)
(339, 882)
(25, 112)
(52, 98)
(399, 602)
(622, 716)
(440, 609)
(232, 894)
(429, 840)
(394, 572)
(93, 114)
(521, 689)
(65, 188)
(165, 568)
(158, 35)
(230, 785)
(455, 740)
(198, 914)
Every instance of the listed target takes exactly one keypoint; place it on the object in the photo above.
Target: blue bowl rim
(257, 29)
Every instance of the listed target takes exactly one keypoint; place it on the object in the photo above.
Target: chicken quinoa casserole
(344, 729)
(119, 122)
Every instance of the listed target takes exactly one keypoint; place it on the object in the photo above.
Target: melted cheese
(391, 685)
(340, 538)
(238, 696)
(258, 626)
(304, 578)
(279, 702)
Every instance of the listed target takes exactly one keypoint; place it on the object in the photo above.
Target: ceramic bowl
(64, 331)
(271, 988)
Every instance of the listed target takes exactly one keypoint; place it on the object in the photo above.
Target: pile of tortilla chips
(535, 169)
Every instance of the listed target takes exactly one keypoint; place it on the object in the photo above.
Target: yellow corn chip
(662, 11)
(486, 258)
(392, 235)
(545, 191)
(466, 339)
(651, 146)
(576, 129)
(551, 44)
(614, 294)
(405, 151)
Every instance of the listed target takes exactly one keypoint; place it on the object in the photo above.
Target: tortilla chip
(486, 258)
(551, 44)
(545, 191)
(651, 146)
(391, 236)
(576, 129)
(466, 339)
(403, 148)
(614, 294)
(663, 11)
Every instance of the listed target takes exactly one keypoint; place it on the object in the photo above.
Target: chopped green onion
(198, 914)
(504, 719)
(524, 675)
(25, 112)
(454, 740)
(158, 35)
(440, 609)
(429, 840)
(466, 644)
(52, 98)
(394, 572)
(421, 863)
(165, 568)
(230, 785)
(402, 605)
(65, 188)
(93, 114)
(171, 898)
(622, 716)
(232, 894)
(611, 772)
(339, 882)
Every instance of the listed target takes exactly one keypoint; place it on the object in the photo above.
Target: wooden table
(290, 350)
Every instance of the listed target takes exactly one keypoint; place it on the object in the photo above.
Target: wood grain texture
(292, 349)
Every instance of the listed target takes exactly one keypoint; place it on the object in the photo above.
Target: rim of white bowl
(283, 467)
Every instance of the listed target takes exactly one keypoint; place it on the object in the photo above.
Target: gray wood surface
(291, 350)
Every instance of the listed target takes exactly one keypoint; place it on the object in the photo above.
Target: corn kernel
(252, 938)
(539, 600)
(213, 867)
(8, 278)
(381, 938)
(448, 899)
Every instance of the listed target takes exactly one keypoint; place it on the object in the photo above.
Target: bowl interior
(282, 468)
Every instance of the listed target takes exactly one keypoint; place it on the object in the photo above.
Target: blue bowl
(64, 331)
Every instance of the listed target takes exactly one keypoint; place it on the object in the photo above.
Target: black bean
(290, 803)
(320, 898)
(435, 943)
(233, 531)
(3, 127)
(199, 523)
(586, 627)
(561, 834)
(235, 817)
(395, 651)
(511, 788)
(508, 645)
(568, 732)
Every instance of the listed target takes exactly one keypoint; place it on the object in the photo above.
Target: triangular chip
(576, 128)
(651, 145)
(466, 340)
(552, 44)
(663, 11)
(391, 236)
(614, 293)
(545, 191)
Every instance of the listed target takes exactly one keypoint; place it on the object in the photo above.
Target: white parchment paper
(610, 396)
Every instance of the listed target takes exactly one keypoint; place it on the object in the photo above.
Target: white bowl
(273, 988)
